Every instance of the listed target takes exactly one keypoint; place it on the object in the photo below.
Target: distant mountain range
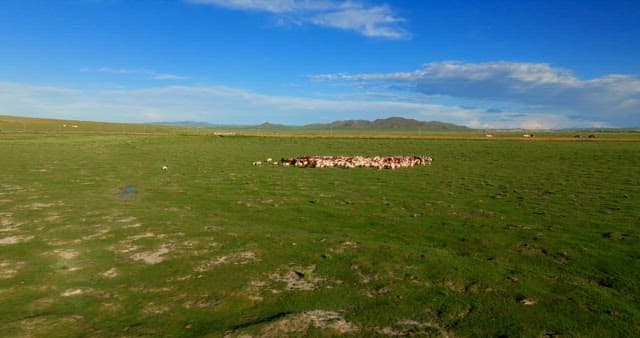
(399, 123)
(391, 123)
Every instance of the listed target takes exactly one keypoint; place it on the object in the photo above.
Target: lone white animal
(165, 167)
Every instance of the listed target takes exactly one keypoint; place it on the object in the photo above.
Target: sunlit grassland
(496, 238)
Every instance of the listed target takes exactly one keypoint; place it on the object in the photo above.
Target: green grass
(454, 248)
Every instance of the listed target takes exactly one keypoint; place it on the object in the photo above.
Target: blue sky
(484, 64)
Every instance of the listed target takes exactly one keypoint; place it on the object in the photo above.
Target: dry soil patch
(14, 239)
(151, 257)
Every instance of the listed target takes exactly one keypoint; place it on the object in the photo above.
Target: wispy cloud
(379, 21)
(221, 104)
(147, 73)
(535, 86)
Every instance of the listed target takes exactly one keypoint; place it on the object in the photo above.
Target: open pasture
(495, 238)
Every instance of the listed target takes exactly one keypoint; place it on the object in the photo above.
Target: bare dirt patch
(238, 258)
(298, 278)
(151, 257)
(111, 307)
(412, 328)
(67, 254)
(15, 239)
(203, 302)
(364, 277)
(127, 219)
(111, 273)
(41, 326)
(100, 234)
(39, 205)
(8, 227)
(346, 245)
(302, 322)
(7, 223)
(53, 218)
(124, 247)
(528, 302)
(9, 269)
(155, 309)
(293, 278)
(41, 304)
(74, 292)
(127, 245)
(137, 237)
(212, 228)
(60, 242)
(254, 291)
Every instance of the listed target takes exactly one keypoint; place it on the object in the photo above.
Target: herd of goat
(380, 162)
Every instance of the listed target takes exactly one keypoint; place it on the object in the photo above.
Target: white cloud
(217, 104)
(149, 74)
(226, 105)
(273, 6)
(534, 86)
(368, 20)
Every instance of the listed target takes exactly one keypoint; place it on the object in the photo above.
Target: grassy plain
(497, 238)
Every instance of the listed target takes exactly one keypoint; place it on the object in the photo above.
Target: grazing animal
(357, 161)
(165, 167)
(257, 163)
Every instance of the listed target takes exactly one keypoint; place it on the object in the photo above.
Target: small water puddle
(127, 191)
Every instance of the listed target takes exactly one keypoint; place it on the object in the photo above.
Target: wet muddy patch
(127, 191)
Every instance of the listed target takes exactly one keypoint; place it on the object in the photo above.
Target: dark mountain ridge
(399, 123)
